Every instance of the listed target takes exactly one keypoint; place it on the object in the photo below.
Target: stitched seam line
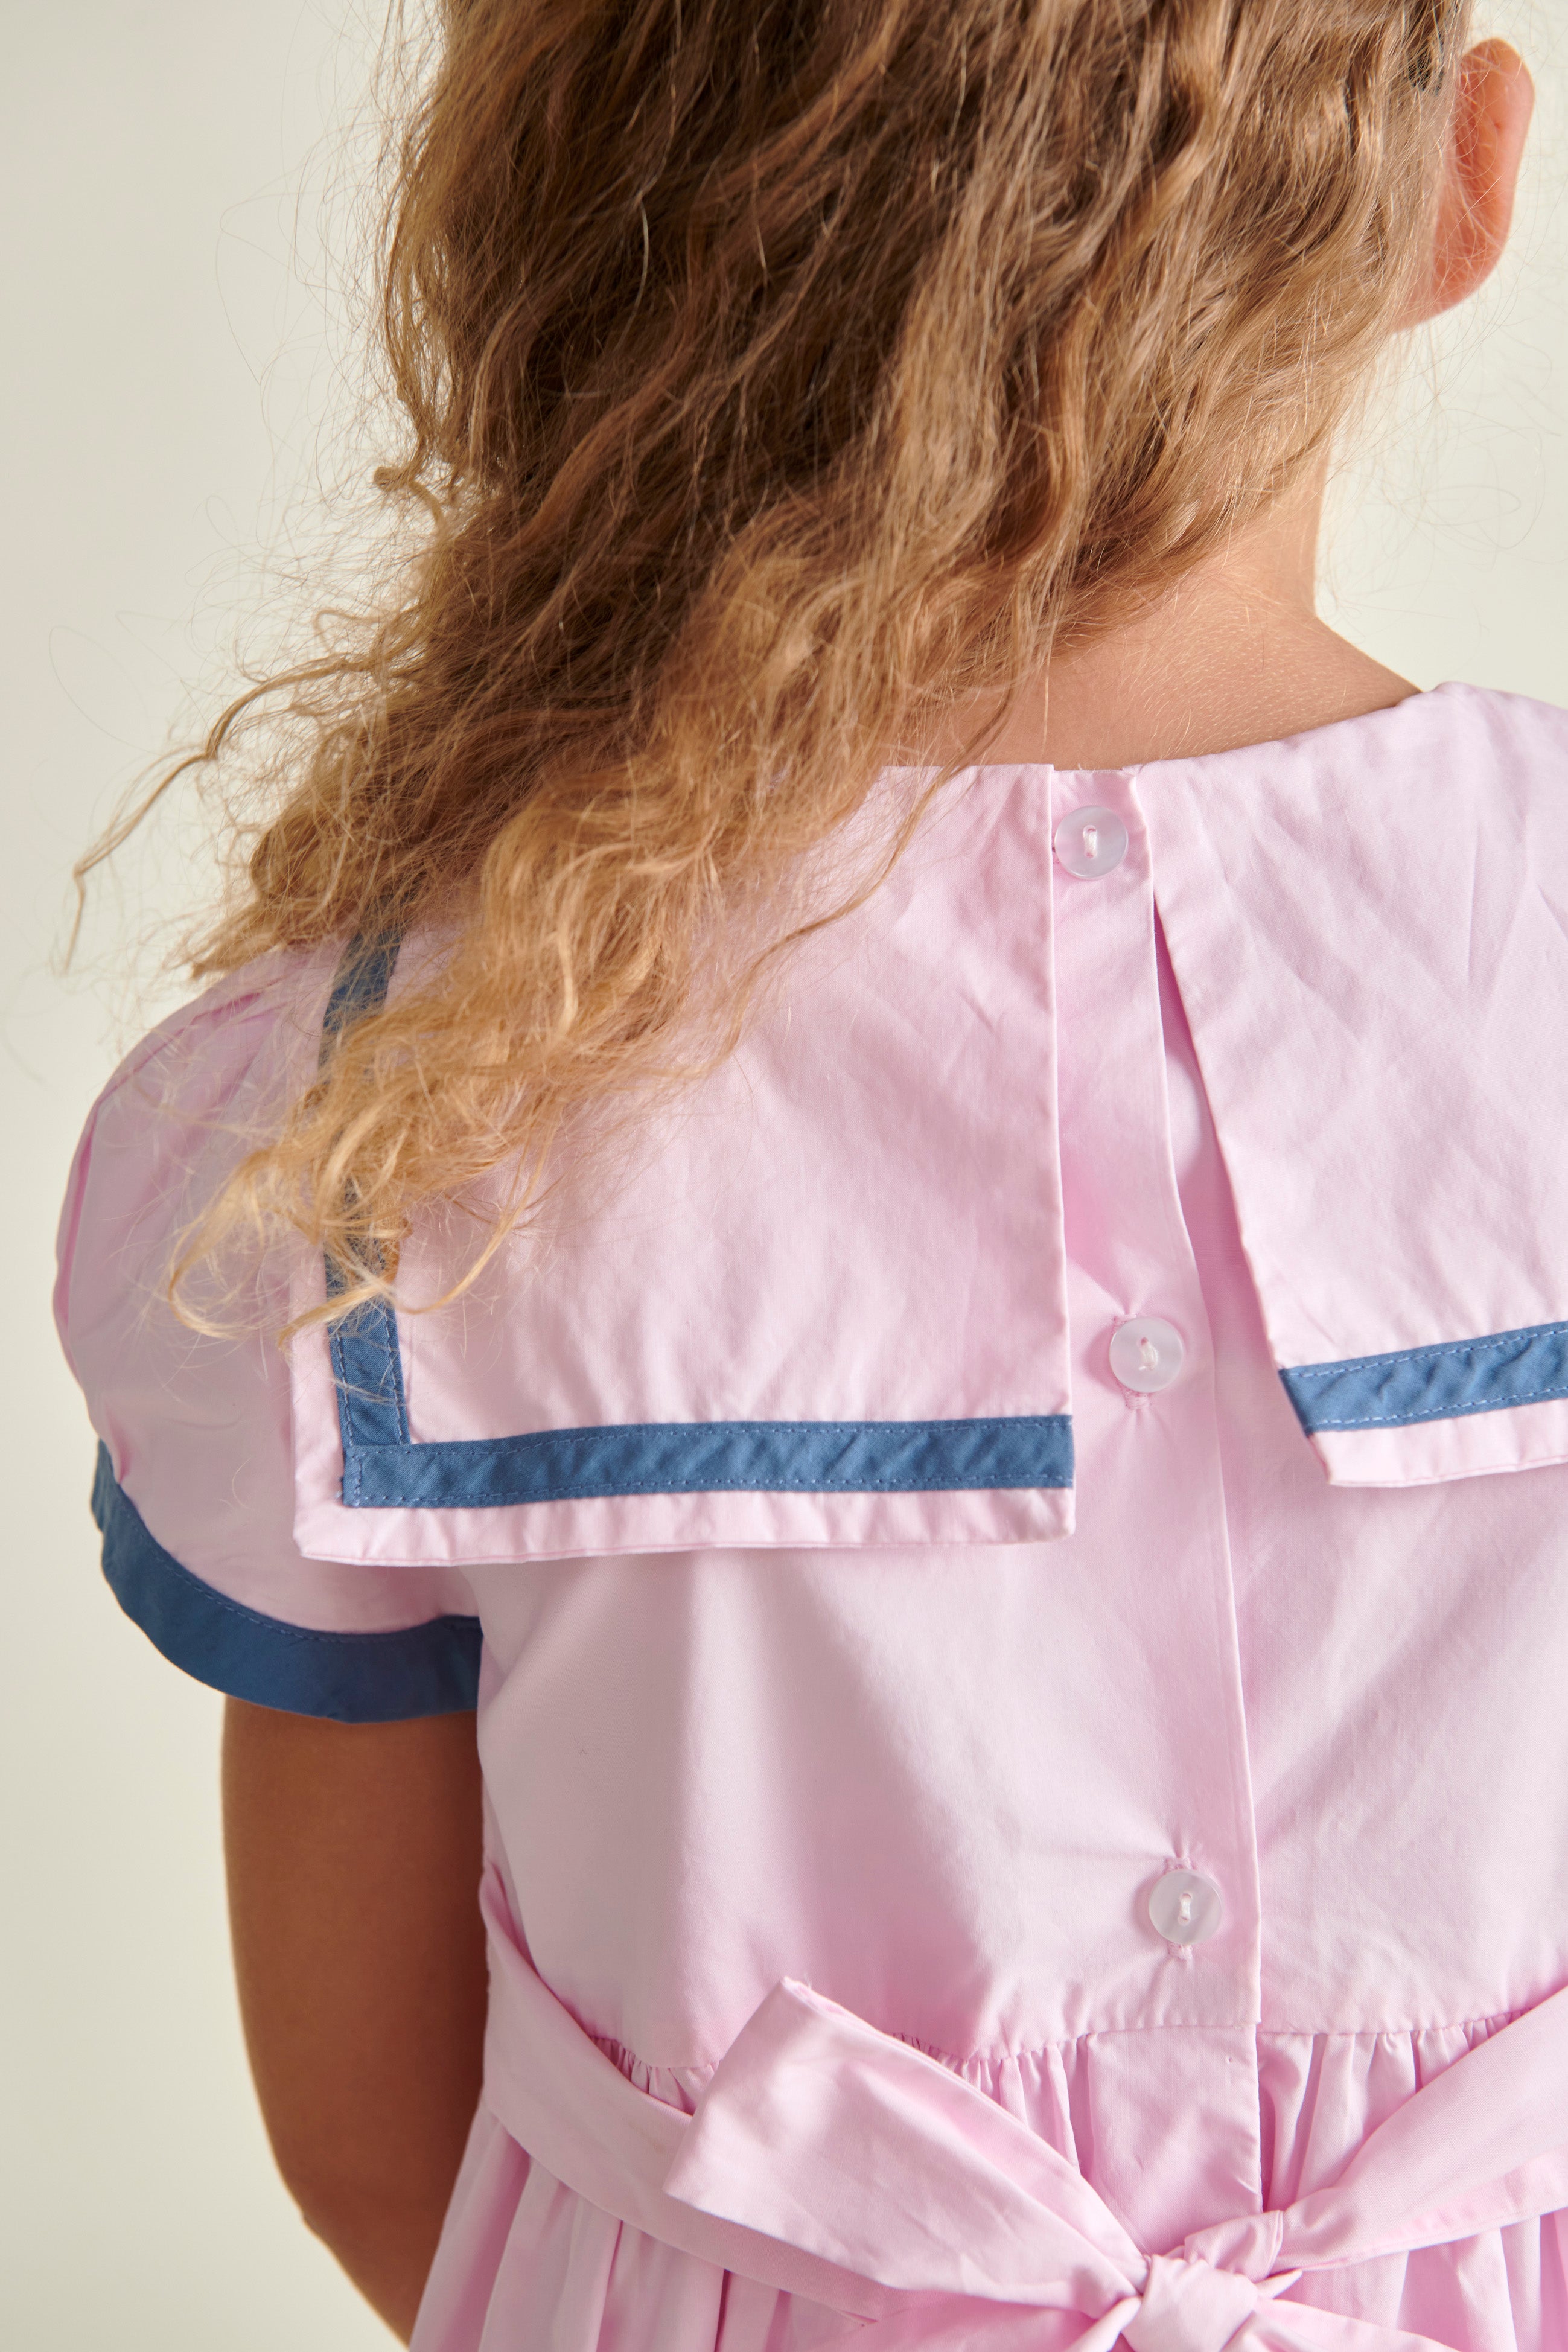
(176, 1571)
(1529, 1333)
(1003, 2054)
(1401, 2032)
(699, 1428)
(579, 1493)
(346, 1393)
(1443, 1413)
(396, 1352)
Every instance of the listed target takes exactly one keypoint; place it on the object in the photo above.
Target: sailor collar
(825, 1303)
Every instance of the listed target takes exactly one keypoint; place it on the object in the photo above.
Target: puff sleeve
(195, 1487)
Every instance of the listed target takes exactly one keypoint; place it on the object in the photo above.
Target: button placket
(1132, 1268)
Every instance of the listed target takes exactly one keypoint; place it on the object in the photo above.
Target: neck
(1235, 654)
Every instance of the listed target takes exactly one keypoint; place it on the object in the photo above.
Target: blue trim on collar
(360, 984)
(711, 1457)
(367, 1362)
(429, 1669)
(1437, 1384)
(367, 1371)
(385, 1468)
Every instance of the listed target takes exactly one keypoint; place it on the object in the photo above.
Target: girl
(904, 1135)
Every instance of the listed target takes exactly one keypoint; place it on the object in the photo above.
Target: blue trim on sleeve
(386, 1469)
(429, 1669)
(1437, 1384)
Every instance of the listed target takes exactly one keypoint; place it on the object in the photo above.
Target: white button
(1090, 841)
(1183, 1907)
(1146, 1354)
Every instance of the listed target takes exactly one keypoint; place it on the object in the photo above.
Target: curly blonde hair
(777, 377)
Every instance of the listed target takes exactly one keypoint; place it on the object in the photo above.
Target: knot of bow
(1187, 2305)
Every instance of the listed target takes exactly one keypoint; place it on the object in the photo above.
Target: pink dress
(1026, 1749)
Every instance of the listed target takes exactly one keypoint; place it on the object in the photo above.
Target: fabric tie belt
(829, 2161)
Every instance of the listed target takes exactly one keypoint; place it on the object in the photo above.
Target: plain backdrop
(179, 386)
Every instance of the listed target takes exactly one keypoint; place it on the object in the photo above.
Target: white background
(176, 378)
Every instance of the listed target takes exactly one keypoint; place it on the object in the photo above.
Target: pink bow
(835, 2162)
(820, 2131)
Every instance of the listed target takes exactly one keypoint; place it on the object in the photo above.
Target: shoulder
(1515, 728)
(183, 1105)
(195, 1493)
(1473, 748)
(251, 1026)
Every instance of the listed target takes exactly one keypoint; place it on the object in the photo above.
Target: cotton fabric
(1290, 1077)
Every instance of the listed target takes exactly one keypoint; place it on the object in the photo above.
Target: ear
(1492, 108)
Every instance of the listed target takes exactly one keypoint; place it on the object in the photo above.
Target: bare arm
(354, 1866)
